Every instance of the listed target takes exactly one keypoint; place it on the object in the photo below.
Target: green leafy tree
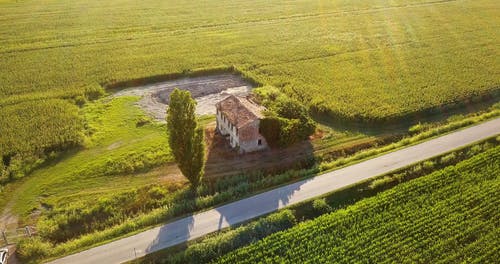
(186, 138)
(286, 123)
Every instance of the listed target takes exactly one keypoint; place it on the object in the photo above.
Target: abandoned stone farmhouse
(238, 118)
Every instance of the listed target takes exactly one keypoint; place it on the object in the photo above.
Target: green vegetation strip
(448, 216)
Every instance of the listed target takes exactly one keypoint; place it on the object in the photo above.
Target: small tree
(186, 139)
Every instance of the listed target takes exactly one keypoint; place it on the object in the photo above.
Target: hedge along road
(204, 223)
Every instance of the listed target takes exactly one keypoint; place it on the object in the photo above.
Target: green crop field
(342, 49)
(449, 216)
(370, 60)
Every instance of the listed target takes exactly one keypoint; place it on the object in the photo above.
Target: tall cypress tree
(186, 139)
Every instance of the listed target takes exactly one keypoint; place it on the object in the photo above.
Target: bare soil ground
(223, 161)
(8, 220)
(207, 90)
(12, 255)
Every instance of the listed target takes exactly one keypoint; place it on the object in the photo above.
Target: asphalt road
(198, 225)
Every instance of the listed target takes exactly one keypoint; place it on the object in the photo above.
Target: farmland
(84, 166)
(449, 216)
(362, 60)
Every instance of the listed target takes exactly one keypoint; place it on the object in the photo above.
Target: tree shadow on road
(215, 220)
(257, 205)
(172, 234)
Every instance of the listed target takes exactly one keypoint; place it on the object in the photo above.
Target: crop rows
(31, 132)
(449, 216)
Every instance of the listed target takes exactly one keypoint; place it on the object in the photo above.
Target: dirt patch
(12, 255)
(207, 90)
(170, 174)
(8, 220)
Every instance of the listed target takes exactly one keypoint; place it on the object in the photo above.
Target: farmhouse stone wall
(225, 128)
(255, 142)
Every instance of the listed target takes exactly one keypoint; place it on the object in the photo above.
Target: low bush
(418, 128)
(380, 182)
(67, 222)
(449, 158)
(428, 165)
(32, 250)
(93, 92)
(320, 206)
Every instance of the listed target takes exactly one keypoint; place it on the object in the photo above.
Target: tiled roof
(240, 111)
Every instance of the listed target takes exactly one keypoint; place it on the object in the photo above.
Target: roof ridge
(239, 110)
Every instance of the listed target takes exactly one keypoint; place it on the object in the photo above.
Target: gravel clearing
(207, 91)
